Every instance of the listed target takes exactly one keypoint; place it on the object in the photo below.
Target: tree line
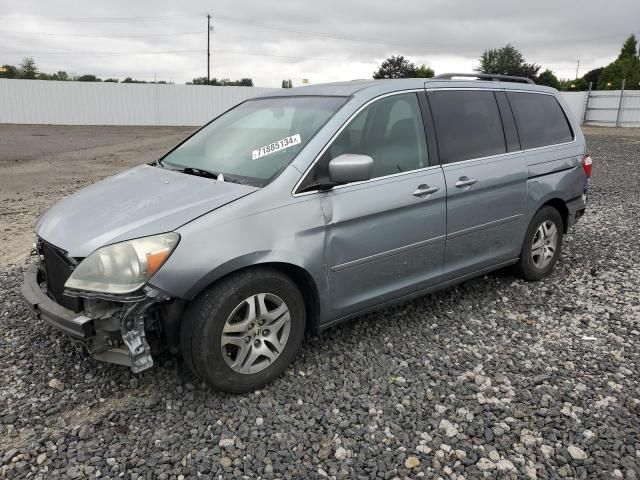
(509, 61)
(29, 70)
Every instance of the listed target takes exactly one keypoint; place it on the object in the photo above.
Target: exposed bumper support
(134, 336)
(84, 329)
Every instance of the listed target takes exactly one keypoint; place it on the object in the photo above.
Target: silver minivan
(299, 209)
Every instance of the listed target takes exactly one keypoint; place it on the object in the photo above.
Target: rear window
(467, 124)
(540, 119)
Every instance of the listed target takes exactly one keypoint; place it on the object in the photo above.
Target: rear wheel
(244, 331)
(542, 245)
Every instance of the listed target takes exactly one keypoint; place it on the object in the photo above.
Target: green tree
(592, 77)
(247, 82)
(576, 85)
(506, 61)
(287, 83)
(395, 67)
(424, 72)
(549, 79)
(28, 69)
(629, 47)
(112, 80)
(132, 80)
(87, 78)
(61, 75)
(626, 66)
(224, 82)
(8, 71)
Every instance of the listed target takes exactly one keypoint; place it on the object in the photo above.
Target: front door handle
(425, 190)
(465, 182)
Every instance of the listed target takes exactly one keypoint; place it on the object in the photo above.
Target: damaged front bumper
(103, 332)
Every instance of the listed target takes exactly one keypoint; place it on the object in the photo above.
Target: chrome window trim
(498, 155)
(522, 150)
(338, 132)
(441, 165)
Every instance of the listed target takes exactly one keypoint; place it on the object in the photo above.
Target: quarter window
(540, 119)
(389, 130)
(467, 124)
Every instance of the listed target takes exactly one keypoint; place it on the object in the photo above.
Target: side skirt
(419, 293)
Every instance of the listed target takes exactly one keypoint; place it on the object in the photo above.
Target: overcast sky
(319, 40)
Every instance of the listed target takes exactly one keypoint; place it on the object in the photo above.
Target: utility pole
(577, 68)
(208, 48)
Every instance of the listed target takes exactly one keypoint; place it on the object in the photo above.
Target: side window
(540, 119)
(467, 124)
(389, 130)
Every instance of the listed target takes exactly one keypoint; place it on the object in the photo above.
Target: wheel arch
(561, 206)
(298, 274)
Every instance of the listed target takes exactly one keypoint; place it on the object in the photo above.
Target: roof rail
(485, 76)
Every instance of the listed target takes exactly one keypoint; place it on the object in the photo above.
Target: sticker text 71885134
(276, 146)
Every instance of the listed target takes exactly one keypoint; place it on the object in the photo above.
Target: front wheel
(542, 245)
(244, 331)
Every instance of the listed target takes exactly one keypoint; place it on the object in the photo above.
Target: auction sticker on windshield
(276, 146)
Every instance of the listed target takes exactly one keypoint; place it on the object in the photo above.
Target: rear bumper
(576, 209)
(77, 326)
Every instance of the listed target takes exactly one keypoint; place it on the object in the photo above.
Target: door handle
(425, 189)
(465, 182)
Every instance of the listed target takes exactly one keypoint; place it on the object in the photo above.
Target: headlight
(123, 267)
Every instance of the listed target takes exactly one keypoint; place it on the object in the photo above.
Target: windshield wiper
(202, 172)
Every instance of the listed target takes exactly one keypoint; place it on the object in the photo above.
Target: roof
(380, 87)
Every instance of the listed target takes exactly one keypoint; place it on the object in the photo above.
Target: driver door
(385, 237)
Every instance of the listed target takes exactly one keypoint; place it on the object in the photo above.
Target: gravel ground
(496, 377)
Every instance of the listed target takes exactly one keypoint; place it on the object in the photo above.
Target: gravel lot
(496, 377)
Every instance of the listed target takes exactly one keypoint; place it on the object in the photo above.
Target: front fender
(260, 258)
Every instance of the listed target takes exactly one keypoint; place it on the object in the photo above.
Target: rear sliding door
(486, 178)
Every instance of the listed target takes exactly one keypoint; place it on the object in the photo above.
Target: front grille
(57, 268)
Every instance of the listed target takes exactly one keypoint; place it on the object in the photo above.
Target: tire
(531, 266)
(244, 359)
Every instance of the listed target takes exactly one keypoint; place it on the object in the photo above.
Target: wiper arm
(201, 172)
(209, 174)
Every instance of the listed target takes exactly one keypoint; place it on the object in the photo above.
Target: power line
(293, 57)
(86, 53)
(113, 19)
(92, 35)
(335, 36)
(225, 52)
(382, 42)
(126, 19)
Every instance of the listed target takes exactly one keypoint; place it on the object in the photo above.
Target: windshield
(256, 140)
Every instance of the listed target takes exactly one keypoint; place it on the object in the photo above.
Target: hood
(139, 202)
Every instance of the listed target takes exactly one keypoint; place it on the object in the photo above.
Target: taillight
(587, 163)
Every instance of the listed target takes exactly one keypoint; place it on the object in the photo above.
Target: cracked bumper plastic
(41, 306)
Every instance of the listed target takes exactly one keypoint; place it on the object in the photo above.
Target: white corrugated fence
(102, 103)
(105, 103)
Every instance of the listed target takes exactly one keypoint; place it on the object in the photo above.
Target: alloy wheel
(545, 243)
(256, 333)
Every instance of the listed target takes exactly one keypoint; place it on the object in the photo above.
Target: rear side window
(540, 119)
(467, 124)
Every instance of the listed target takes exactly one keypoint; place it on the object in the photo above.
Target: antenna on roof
(485, 76)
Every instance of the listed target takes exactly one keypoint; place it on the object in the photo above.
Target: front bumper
(87, 331)
(77, 326)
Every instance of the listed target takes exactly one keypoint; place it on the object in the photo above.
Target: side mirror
(350, 167)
